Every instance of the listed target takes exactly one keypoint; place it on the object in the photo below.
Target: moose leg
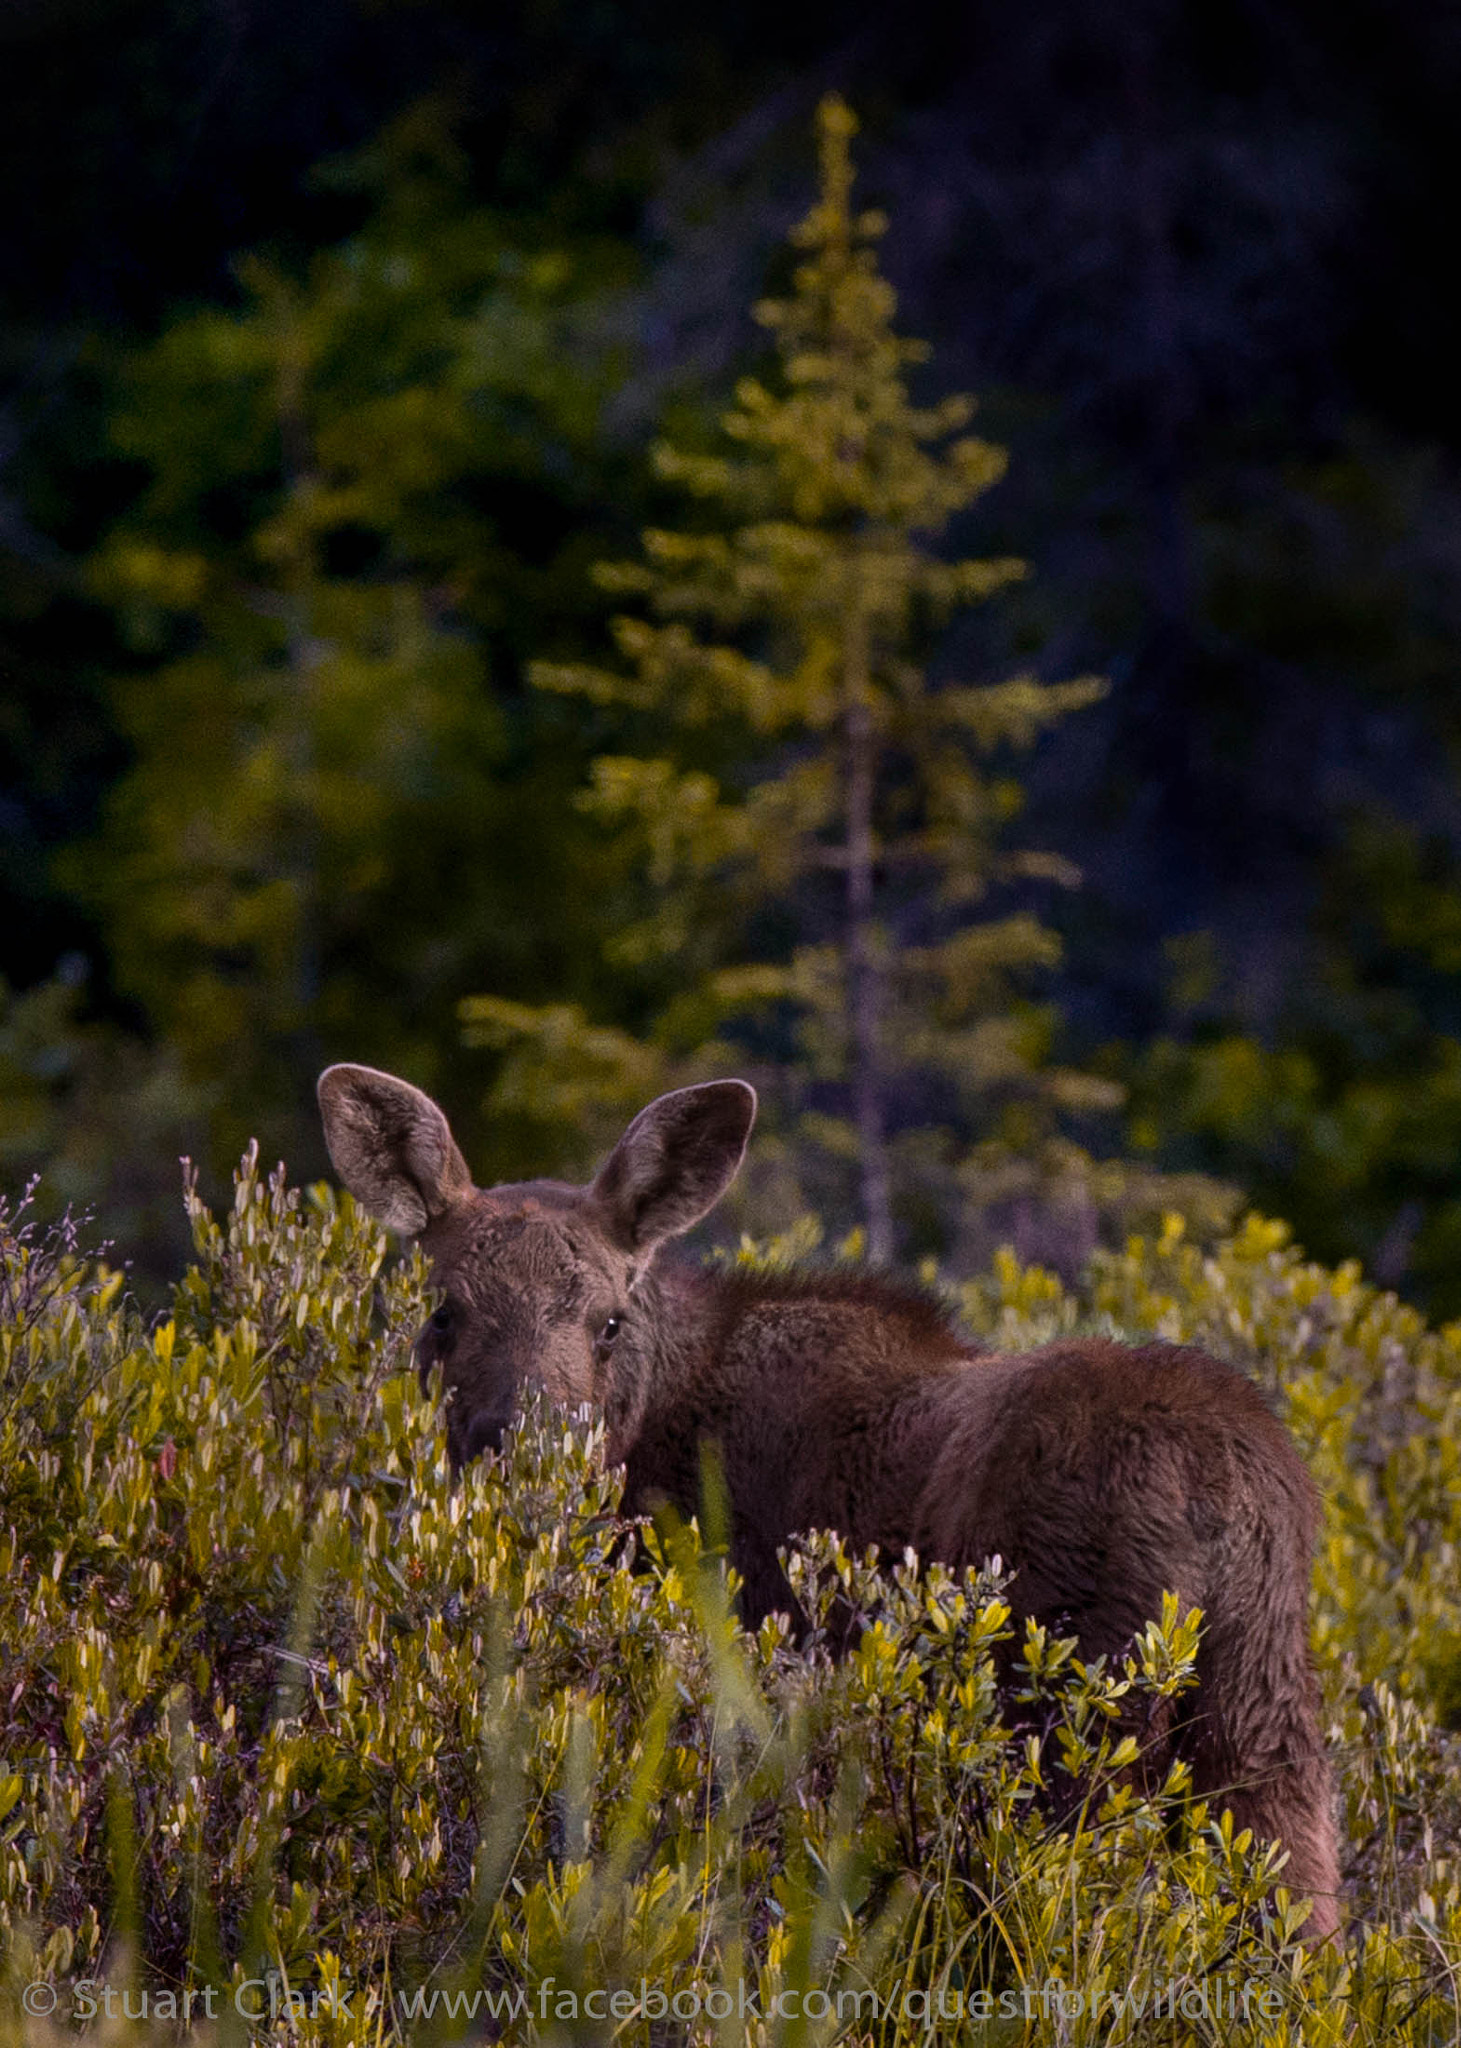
(1254, 1742)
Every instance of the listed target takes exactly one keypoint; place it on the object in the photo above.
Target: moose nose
(468, 1433)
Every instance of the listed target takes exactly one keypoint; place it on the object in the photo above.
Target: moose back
(1103, 1473)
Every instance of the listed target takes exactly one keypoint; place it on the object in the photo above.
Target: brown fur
(1104, 1474)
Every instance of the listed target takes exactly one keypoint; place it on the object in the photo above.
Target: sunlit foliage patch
(282, 1708)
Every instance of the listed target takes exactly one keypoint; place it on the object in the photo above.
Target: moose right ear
(674, 1162)
(391, 1146)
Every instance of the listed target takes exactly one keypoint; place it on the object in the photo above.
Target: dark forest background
(371, 311)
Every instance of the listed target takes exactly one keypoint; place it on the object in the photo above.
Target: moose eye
(610, 1330)
(441, 1320)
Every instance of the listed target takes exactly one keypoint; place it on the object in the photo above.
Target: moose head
(536, 1276)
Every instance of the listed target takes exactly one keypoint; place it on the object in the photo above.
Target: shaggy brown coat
(1104, 1474)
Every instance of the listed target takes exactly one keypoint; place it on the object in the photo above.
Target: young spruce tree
(811, 792)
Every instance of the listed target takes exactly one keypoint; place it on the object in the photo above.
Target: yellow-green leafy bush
(290, 1723)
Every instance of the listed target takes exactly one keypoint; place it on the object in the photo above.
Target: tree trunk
(865, 993)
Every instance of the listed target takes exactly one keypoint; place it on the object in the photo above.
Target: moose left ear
(392, 1147)
(674, 1163)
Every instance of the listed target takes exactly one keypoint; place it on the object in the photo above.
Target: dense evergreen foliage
(1191, 271)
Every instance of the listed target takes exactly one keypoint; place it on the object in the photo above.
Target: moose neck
(817, 1396)
(820, 1391)
(667, 1352)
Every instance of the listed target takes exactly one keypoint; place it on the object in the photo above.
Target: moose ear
(391, 1146)
(674, 1162)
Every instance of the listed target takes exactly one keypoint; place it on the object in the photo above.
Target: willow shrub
(304, 1742)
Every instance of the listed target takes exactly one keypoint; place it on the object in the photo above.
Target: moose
(1103, 1473)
